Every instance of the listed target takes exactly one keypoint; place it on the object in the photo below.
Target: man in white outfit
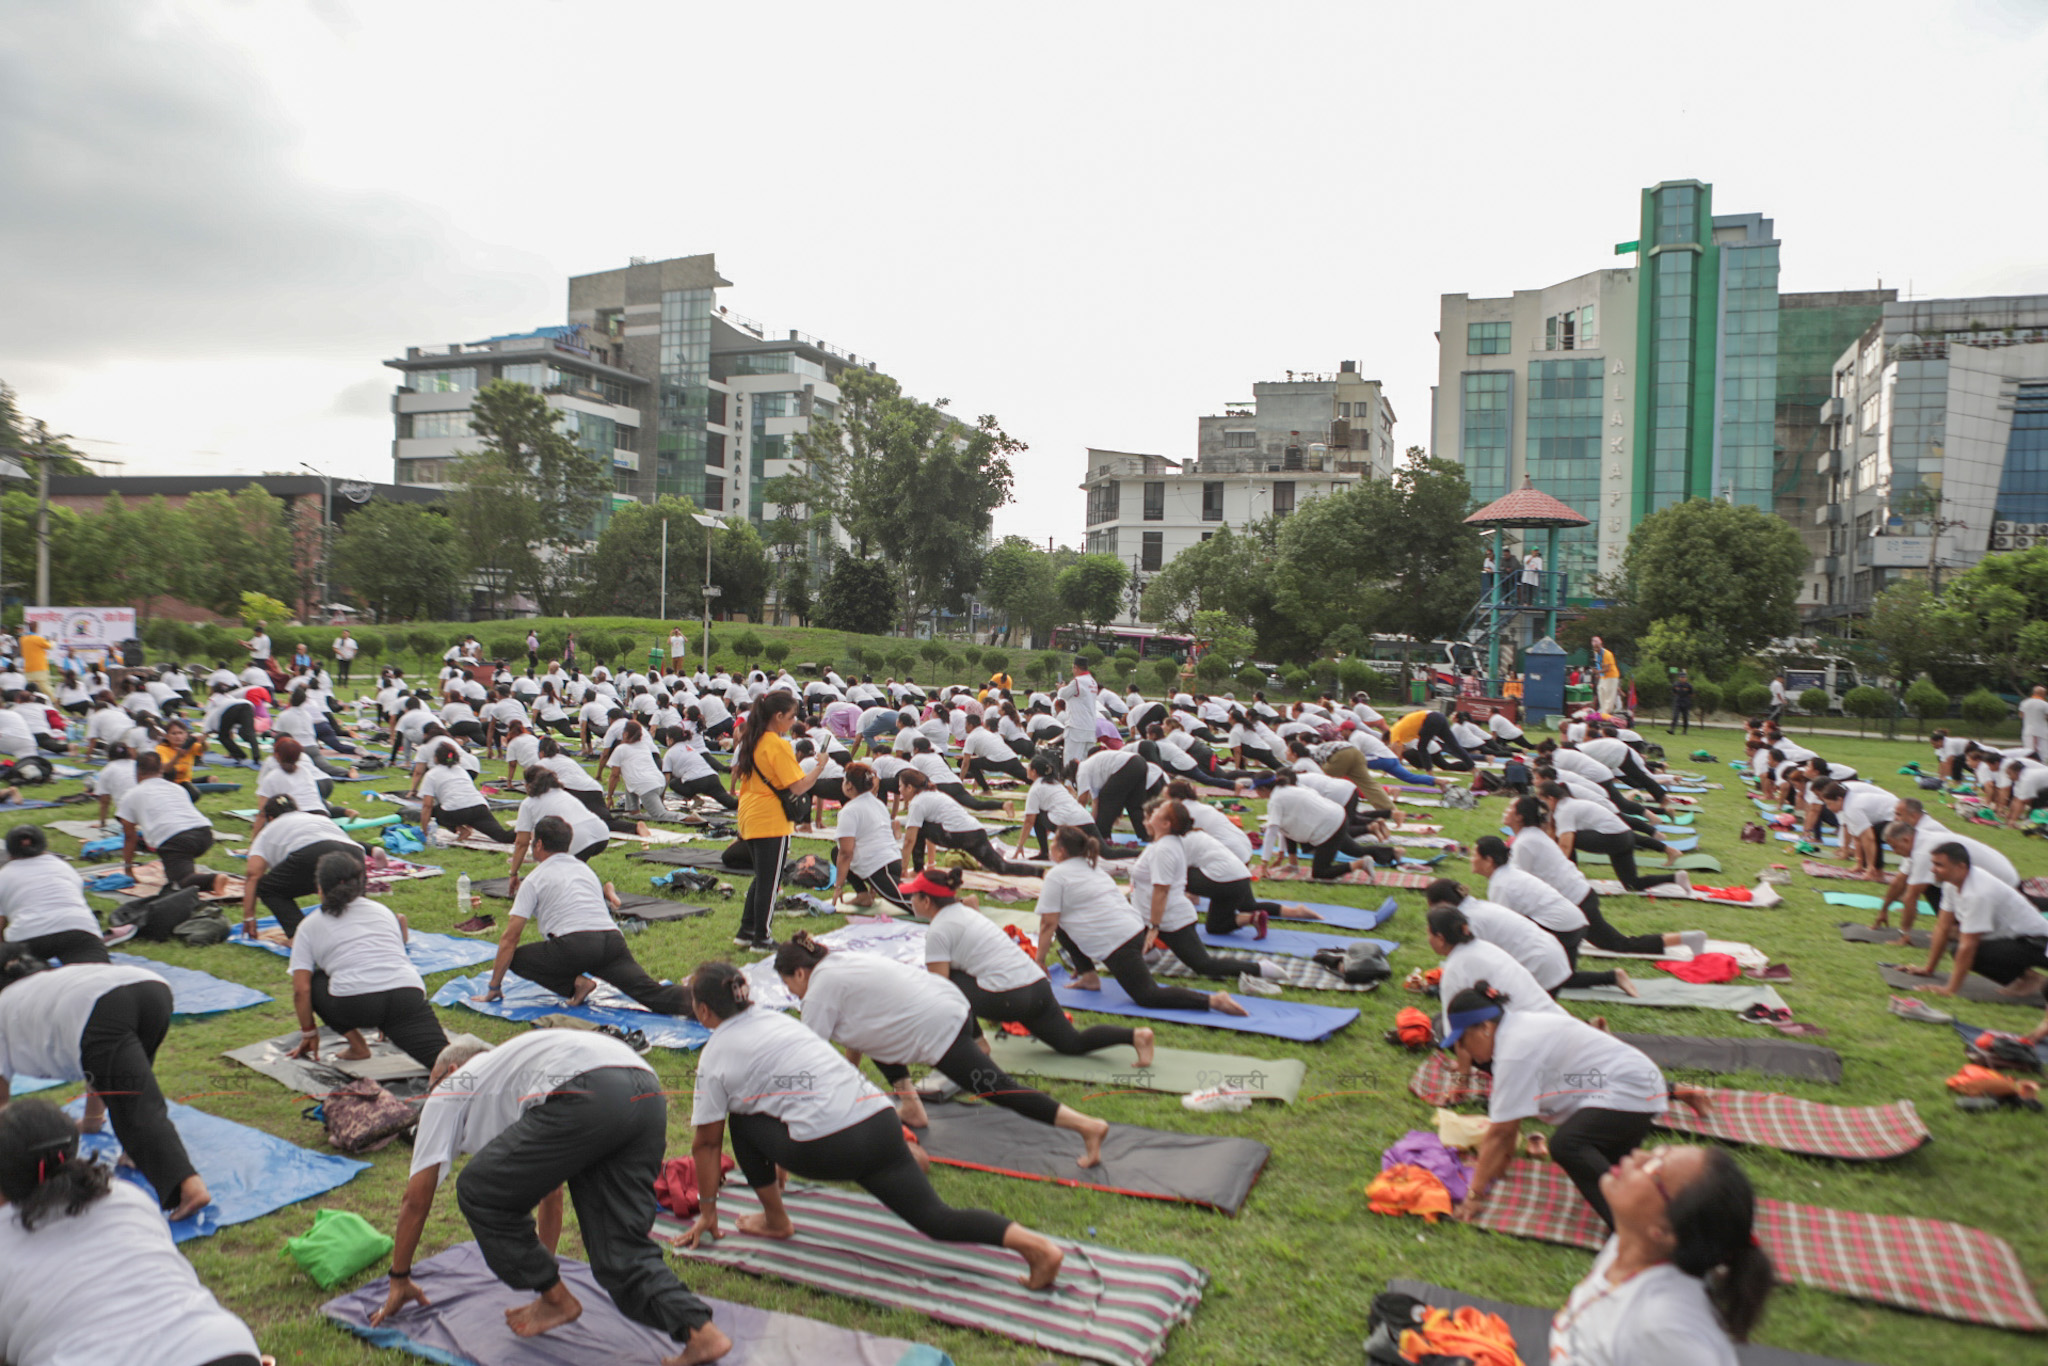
(1081, 713)
(2034, 724)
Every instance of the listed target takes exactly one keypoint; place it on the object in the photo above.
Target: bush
(971, 654)
(624, 643)
(1050, 664)
(775, 651)
(1866, 704)
(1325, 673)
(747, 646)
(995, 661)
(1925, 700)
(1706, 698)
(1753, 699)
(1167, 672)
(428, 645)
(506, 647)
(1355, 675)
(1251, 677)
(932, 650)
(904, 663)
(1814, 701)
(1984, 707)
(1298, 678)
(1213, 668)
(1652, 690)
(943, 666)
(1091, 654)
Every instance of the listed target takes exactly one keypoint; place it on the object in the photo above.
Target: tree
(1212, 668)
(625, 564)
(565, 484)
(398, 559)
(933, 651)
(1814, 702)
(1984, 707)
(1017, 583)
(24, 433)
(496, 523)
(775, 651)
(1051, 664)
(1092, 589)
(1926, 701)
(1734, 571)
(131, 554)
(1866, 704)
(747, 646)
(995, 661)
(1706, 698)
(858, 594)
(257, 607)
(242, 545)
(1167, 671)
(1906, 632)
(1671, 643)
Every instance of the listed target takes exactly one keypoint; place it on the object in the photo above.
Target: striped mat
(1929, 1266)
(1109, 1306)
(1853, 1133)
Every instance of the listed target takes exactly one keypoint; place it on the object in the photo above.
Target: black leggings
(960, 794)
(1038, 1010)
(1123, 794)
(556, 964)
(1570, 941)
(872, 1155)
(477, 818)
(1639, 777)
(1228, 900)
(561, 725)
(1621, 852)
(465, 730)
(69, 946)
(1590, 1142)
(1126, 962)
(883, 883)
(1604, 936)
(180, 853)
(710, 785)
(975, 842)
(1453, 755)
(979, 769)
(593, 802)
(293, 876)
(767, 856)
(402, 1013)
(117, 1050)
(1324, 865)
(1198, 958)
(966, 1066)
(238, 720)
(1043, 828)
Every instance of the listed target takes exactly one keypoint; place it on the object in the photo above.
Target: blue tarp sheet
(430, 953)
(1287, 943)
(526, 1001)
(194, 992)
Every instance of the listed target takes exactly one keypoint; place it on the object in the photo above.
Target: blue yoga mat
(194, 992)
(1279, 1019)
(1337, 917)
(430, 953)
(28, 1086)
(526, 1001)
(249, 1173)
(26, 806)
(1286, 943)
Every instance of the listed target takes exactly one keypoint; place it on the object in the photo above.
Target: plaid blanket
(1815, 868)
(1928, 1266)
(1303, 974)
(1854, 1133)
(1110, 1306)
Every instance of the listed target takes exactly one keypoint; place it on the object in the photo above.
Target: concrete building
(1938, 434)
(679, 394)
(1625, 390)
(1300, 438)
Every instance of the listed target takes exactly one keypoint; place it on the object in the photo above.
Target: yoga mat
(1335, 916)
(28, 1086)
(1982, 990)
(1154, 1164)
(86, 831)
(526, 1002)
(702, 856)
(248, 1172)
(1692, 863)
(1862, 934)
(1815, 868)
(1280, 1019)
(1287, 943)
(1303, 974)
(393, 1069)
(1855, 901)
(1531, 1327)
(27, 806)
(465, 1322)
(194, 992)
(430, 953)
(1175, 1071)
(1968, 1034)
(1109, 1306)
(638, 905)
(1766, 1057)
(1676, 995)
(1929, 1266)
(1747, 955)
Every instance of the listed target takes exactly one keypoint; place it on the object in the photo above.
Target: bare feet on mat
(761, 1226)
(358, 1047)
(556, 1309)
(640, 829)
(584, 986)
(1088, 981)
(1224, 1004)
(1142, 1040)
(611, 897)
(1536, 1146)
(1093, 1136)
(1699, 1101)
(1041, 1255)
(2026, 984)
(1622, 981)
(706, 1344)
(910, 1110)
(1296, 911)
(192, 1198)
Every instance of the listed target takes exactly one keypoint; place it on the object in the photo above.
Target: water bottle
(462, 897)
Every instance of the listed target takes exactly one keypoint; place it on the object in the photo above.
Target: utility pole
(43, 522)
(664, 568)
(326, 534)
(710, 524)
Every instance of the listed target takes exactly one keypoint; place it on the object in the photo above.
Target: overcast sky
(1097, 221)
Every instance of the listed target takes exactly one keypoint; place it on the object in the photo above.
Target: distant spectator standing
(1681, 704)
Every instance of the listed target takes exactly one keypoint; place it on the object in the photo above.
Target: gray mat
(638, 905)
(1531, 1327)
(398, 1073)
(1980, 989)
(1767, 1057)
(693, 856)
(1674, 994)
(1863, 934)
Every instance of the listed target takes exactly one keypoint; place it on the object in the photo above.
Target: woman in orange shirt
(763, 768)
(179, 750)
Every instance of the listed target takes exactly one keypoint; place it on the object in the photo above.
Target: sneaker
(1216, 1101)
(1907, 1008)
(744, 941)
(1252, 984)
(477, 924)
(120, 934)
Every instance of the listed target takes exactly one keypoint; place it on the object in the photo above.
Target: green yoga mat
(1175, 1070)
(1682, 818)
(1855, 901)
(1692, 863)
(370, 822)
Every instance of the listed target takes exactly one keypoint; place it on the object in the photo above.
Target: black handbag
(797, 808)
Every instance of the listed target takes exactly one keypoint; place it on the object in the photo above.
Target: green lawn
(1293, 1276)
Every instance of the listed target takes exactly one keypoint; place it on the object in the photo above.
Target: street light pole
(326, 532)
(710, 524)
(664, 569)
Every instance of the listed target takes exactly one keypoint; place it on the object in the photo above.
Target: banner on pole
(81, 632)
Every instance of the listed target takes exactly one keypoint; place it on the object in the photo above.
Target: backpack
(362, 1117)
(1460, 798)
(202, 929)
(1515, 775)
(808, 871)
(1364, 963)
(156, 917)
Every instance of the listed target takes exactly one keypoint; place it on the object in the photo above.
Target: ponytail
(41, 1174)
(540, 778)
(721, 988)
(798, 952)
(1077, 843)
(1449, 924)
(1713, 1220)
(287, 752)
(342, 879)
(858, 778)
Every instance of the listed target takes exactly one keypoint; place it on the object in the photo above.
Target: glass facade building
(2023, 487)
(1487, 396)
(1563, 453)
(682, 393)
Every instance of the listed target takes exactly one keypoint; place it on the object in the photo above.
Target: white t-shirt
(488, 1094)
(890, 1011)
(522, 751)
(1581, 763)
(1659, 1315)
(685, 761)
(297, 722)
(1983, 858)
(278, 840)
(1212, 858)
(2034, 716)
(563, 896)
(44, 895)
(762, 1062)
(933, 767)
(1057, 804)
(1163, 864)
(1499, 725)
(1217, 826)
(1572, 816)
(574, 776)
(115, 780)
(1984, 905)
(1607, 750)
(1479, 961)
(1534, 949)
(302, 784)
(1092, 909)
(464, 760)
(971, 942)
(1306, 817)
(928, 806)
(112, 726)
(259, 646)
(1535, 852)
(638, 768)
(1549, 1066)
(865, 821)
(362, 950)
(450, 787)
(160, 809)
(586, 827)
(1080, 697)
(42, 1015)
(54, 1309)
(1525, 894)
(984, 743)
(1867, 807)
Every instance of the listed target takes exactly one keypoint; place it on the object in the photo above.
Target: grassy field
(1294, 1274)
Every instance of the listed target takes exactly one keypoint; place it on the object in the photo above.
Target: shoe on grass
(477, 924)
(1253, 985)
(1907, 1008)
(1216, 1101)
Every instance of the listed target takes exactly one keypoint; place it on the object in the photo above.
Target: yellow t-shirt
(35, 654)
(1406, 730)
(775, 764)
(177, 765)
(1608, 668)
(1003, 681)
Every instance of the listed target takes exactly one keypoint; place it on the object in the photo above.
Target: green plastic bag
(337, 1246)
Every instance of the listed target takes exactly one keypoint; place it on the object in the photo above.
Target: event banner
(81, 632)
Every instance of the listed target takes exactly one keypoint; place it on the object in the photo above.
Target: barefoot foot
(1621, 980)
(706, 1344)
(584, 986)
(1042, 1257)
(1093, 1136)
(1141, 1039)
(555, 1309)
(760, 1226)
(192, 1198)
(1224, 1004)
(911, 1111)
(1088, 981)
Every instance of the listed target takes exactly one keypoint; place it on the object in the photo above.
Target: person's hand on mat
(1916, 972)
(1088, 981)
(705, 1229)
(494, 994)
(308, 1045)
(1697, 1099)
(1466, 1211)
(402, 1292)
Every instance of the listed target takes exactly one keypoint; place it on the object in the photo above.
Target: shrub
(1091, 654)
(369, 644)
(747, 646)
(1213, 668)
(1984, 707)
(1866, 704)
(933, 650)
(1925, 700)
(904, 663)
(1050, 665)
(1652, 690)
(1355, 675)
(775, 651)
(1298, 678)
(427, 645)
(943, 665)
(262, 607)
(1753, 699)
(506, 647)
(1325, 673)
(971, 654)
(995, 661)
(1128, 652)
(1167, 672)
(623, 646)
(1251, 676)
(1814, 701)
(1706, 698)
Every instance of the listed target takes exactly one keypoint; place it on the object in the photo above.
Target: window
(1283, 497)
(532, 376)
(425, 471)
(1155, 502)
(427, 425)
(1483, 432)
(1344, 411)
(1550, 333)
(715, 413)
(626, 438)
(774, 363)
(1207, 534)
(714, 493)
(1486, 339)
(1240, 441)
(443, 381)
(1212, 501)
(1870, 413)
(1154, 552)
(714, 447)
(1103, 501)
(1872, 354)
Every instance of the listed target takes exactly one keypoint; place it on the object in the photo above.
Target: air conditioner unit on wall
(2020, 542)
(2001, 543)
(2001, 528)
